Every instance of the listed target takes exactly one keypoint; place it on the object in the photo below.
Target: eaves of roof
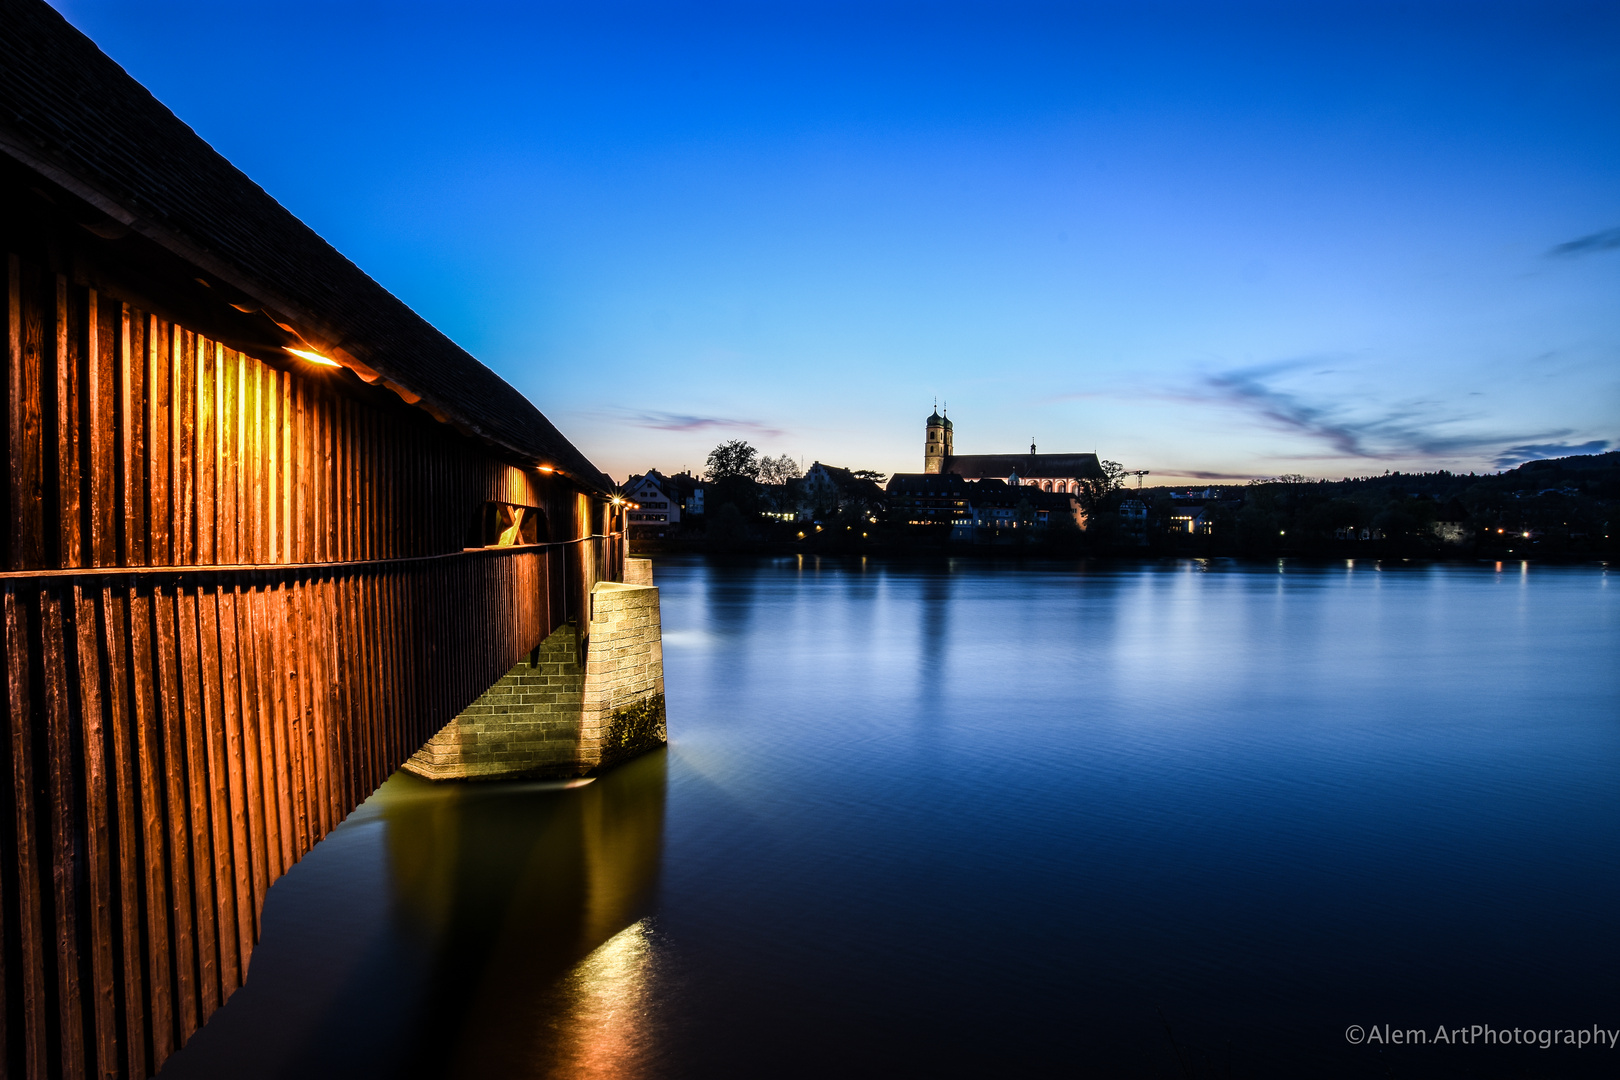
(73, 116)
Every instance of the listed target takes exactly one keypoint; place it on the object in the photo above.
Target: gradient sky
(1206, 240)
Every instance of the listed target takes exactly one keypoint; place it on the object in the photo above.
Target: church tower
(939, 443)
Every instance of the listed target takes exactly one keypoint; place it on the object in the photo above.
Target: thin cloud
(1247, 388)
(663, 421)
(1514, 456)
(1607, 240)
(1410, 431)
(1200, 474)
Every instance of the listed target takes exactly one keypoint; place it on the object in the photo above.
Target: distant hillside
(1556, 506)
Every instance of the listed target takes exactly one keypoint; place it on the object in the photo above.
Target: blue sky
(1206, 240)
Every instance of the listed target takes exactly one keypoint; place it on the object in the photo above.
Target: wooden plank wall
(179, 734)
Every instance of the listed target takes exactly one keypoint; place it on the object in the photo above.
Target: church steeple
(934, 444)
(937, 446)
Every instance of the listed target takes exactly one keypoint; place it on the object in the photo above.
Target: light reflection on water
(457, 930)
(1179, 819)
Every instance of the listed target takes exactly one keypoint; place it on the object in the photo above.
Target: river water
(1178, 819)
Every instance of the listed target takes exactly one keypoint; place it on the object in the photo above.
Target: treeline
(1555, 507)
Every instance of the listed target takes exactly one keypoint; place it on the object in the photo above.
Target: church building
(1046, 472)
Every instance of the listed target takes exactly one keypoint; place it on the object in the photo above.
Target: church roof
(70, 114)
(1026, 466)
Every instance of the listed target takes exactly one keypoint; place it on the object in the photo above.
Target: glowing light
(607, 996)
(547, 468)
(314, 358)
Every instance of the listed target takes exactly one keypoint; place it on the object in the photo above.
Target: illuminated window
(502, 524)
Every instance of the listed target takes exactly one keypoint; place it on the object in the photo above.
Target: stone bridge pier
(572, 707)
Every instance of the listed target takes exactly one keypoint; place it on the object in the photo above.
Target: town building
(1451, 524)
(1046, 472)
(1133, 514)
(825, 490)
(980, 511)
(1197, 519)
(927, 499)
(690, 491)
(655, 505)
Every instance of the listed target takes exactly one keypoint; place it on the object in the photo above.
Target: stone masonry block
(558, 717)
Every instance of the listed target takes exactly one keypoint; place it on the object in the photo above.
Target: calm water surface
(1168, 820)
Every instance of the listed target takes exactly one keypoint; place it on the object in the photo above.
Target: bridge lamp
(314, 358)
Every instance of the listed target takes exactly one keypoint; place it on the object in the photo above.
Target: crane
(1138, 473)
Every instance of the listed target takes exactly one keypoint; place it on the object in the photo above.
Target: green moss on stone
(634, 730)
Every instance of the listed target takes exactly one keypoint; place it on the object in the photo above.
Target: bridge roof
(72, 115)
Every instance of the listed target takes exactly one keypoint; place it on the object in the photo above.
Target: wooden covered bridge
(266, 533)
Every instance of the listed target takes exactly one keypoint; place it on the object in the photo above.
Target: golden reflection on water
(605, 1030)
(526, 904)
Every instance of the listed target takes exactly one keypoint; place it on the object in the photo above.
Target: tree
(733, 459)
(778, 470)
(729, 528)
(869, 474)
(1096, 491)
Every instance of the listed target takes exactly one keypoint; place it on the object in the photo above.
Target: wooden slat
(183, 932)
(161, 421)
(211, 720)
(253, 458)
(183, 451)
(299, 466)
(26, 351)
(236, 754)
(155, 860)
(128, 827)
(69, 354)
(290, 644)
(253, 778)
(31, 863)
(223, 392)
(318, 625)
(205, 453)
(230, 461)
(327, 512)
(61, 828)
(286, 471)
(103, 327)
(354, 707)
(273, 761)
(131, 448)
(199, 805)
(98, 836)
